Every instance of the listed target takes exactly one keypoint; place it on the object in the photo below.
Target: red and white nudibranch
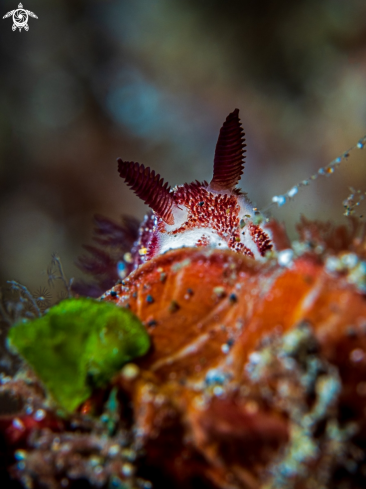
(215, 214)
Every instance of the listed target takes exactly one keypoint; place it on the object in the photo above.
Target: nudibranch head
(215, 214)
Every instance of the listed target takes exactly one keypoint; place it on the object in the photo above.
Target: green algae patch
(78, 345)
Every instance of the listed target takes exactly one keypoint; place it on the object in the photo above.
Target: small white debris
(218, 390)
(280, 200)
(225, 348)
(285, 257)
(255, 358)
(291, 193)
(333, 264)
(215, 376)
(121, 269)
(128, 257)
(357, 276)
(39, 415)
(130, 371)
(300, 247)
(113, 450)
(349, 260)
(127, 469)
(20, 455)
(95, 461)
(18, 424)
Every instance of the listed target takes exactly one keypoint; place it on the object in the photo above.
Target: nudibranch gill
(215, 214)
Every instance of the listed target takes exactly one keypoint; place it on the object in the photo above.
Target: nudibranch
(215, 214)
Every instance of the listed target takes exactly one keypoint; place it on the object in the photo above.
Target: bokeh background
(152, 81)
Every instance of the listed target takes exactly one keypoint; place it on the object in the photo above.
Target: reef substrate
(256, 378)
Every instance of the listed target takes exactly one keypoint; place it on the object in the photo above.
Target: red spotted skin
(216, 219)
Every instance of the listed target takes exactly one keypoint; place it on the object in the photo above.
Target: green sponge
(78, 345)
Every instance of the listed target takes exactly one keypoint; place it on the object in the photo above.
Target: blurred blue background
(153, 81)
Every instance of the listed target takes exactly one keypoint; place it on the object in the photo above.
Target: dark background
(152, 81)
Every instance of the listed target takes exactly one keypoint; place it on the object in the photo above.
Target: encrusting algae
(235, 363)
(78, 346)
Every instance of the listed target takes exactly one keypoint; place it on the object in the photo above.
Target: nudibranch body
(215, 214)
